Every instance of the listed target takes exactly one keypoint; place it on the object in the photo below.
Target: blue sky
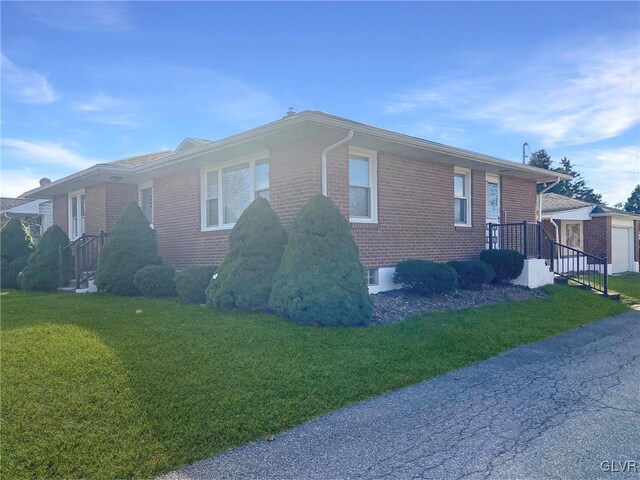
(90, 82)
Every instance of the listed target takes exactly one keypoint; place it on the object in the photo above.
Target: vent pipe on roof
(524, 154)
(324, 160)
(44, 181)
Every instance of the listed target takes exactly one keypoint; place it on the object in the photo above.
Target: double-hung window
(227, 191)
(145, 200)
(462, 197)
(76, 214)
(362, 186)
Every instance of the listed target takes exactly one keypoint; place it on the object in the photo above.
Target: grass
(92, 389)
(627, 285)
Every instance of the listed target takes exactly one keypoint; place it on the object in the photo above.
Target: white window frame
(144, 186)
(260, 157)
(373, 184)
(375, 273)
(467, 185)
(70, 196)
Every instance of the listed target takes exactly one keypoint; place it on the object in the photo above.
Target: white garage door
(620, 250)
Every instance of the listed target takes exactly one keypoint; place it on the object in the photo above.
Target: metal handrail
(86, 251)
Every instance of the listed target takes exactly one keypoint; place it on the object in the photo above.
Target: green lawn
(628, 285)
(91, 389)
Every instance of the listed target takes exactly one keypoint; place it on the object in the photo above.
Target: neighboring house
(37, 214)
(405, 197)
(596, 229)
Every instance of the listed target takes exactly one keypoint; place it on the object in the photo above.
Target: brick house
(405, 197)
(596, 229)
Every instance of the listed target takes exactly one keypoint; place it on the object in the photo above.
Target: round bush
(192, 283)
(472, 274)
(321, 280)
(507, 264)
(42, 271)
(131, 246)
(424, 277)
(155, 281)
(256, 245)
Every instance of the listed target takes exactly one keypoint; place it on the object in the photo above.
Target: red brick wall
(597, 236)
(95, 205)
(518, 200)
(61, 212)
(118, 197)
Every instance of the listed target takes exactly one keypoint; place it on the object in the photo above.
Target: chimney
(44, 181)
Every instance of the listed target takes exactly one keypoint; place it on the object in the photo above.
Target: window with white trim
(76, 214)
(372, 277)
(145, 200)
(362, 186)
(462, 197)
(228, 190)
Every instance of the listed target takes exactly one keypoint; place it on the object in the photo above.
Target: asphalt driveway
(566, 407)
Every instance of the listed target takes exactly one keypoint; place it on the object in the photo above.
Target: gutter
(544, 190)
(324, 160)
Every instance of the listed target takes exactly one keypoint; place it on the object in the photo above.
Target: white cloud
(614, 172)
(90, 16)
(14, 183)
(25, 85)
(561, 96)
(98, 103)
(27, 152)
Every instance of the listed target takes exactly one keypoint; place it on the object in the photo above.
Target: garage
(621, 249)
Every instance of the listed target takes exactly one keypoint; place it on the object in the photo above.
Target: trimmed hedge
(15, 241)
(43, 267)
(15, 247)
(155, 281)
(131, 246)
(321, 280)
(472, 274)
(192, 283)
(256, 245)
(507, 264)
(9, 272)
(425, 277)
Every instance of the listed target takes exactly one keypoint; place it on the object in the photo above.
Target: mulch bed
(396, 305)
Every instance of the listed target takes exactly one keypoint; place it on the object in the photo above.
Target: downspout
(546, 189)
(324, 160)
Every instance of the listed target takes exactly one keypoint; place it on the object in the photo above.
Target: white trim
(467, 185)
(582, 213)
(385, 280)
(372, 155)
(259, 157)
(144, 186)
(78, 194)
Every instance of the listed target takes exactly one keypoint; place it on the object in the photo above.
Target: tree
(575, 188)
(633, 202)
(540, 159)
(42, 271)
(321, 280)
(256, 245)
(131, 246)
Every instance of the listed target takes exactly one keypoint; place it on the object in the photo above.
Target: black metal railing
(531, 240)
(85, 251)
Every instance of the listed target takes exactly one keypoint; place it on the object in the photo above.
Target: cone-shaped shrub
(131, 246)
(321, 280)
(15, 246)
(43, 270)
(256, 245)
(15, 241)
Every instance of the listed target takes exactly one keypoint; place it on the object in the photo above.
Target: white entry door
(493, 206)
